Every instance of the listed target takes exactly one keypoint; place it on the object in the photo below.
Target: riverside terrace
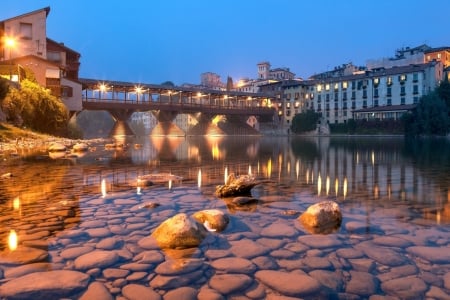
(122, 99)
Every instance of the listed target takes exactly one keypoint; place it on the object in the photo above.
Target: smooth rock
(405, 287)
(179, 232)
(322, 217)
(97, 291)
(212, 219)
(139, 292)
(182, 293)
(230, 283)
(289, 284)
(26, 269)
(96, 259)
(247, 248)
(45, 285)
(234, 265)
(22, 256)
(362, 283)
(436, 255)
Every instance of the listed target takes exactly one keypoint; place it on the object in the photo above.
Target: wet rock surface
(106, 249)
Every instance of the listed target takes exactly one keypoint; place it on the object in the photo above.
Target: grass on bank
(11, 133)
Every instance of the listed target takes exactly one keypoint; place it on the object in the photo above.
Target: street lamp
(10, 43)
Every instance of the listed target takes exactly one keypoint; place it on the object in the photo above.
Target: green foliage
(306, 121)
(429, 118)
(168, 83)
(34, 107)
(444, 92)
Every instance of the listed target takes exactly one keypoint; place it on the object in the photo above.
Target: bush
(306, 121)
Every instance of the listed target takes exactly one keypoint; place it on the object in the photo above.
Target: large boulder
(212, 219)
(322, 217)
(179, 232)
(236, 186)
(57, 147)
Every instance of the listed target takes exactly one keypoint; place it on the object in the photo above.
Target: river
(82, 218)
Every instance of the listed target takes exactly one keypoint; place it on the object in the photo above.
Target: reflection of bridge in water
(122, 99)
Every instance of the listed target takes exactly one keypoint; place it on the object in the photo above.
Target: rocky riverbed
(99, 247)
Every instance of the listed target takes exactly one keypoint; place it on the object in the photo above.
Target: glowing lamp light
(319, 184)
(225, 176)
(12, 240)
(103, 188)
(16, 203)
(327, 184)
(10, 42)
(199, 178)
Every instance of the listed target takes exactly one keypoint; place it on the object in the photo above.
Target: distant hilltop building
(25, 45)
(212, 81)
(266, 75)
(343, 70)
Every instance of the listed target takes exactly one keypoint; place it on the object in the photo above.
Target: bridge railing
(181, 104)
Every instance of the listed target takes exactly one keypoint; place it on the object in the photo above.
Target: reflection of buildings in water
(375, 171)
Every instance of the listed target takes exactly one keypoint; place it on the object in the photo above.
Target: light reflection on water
(371, 176)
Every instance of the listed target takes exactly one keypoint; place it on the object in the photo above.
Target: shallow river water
(77, 226)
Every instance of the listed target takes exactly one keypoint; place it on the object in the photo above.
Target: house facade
(25, 45)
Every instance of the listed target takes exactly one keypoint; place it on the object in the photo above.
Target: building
(211, 81)
(376, 94)
(25, 45)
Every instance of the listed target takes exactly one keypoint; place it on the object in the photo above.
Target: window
(327, 87)
(402, 91)
(26, 31)
(402, 100)
(353, 95)
(319, 107)
(344, 106)
(336, 86)
(364, 103)
(389, 81)
(416, 100)
(389, 91)
(376, 81)
(336, 96)
(336, 114)
(402, 78)
(389, 101)
(66, 91)
(327, 97)
(415, 77)
(353, 85)
(439, 56)
(344, 96)
(344, 85)
(319, 98)
(345, 114)
(415, 89)
(353, 104)
(364, 94)
(327, 106)
(336, 106)
(296, 96)
(375, 103)
(375, 93)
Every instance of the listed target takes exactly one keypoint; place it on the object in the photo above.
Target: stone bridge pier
(165, 125)
(121, 117)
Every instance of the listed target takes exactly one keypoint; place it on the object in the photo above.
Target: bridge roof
(123, 86)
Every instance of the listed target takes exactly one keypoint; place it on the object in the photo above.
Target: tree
(444, 92)
(168, 83)
(430, 117)
(35, 107)
(305, 121)
(4, 88)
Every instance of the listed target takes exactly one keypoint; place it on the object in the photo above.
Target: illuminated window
(428, 57)
(327, 87)
(344, 84)
(389, 80)
(402, 77)
(376, 81)
(319, 87)
(336, 86)
(439, 56)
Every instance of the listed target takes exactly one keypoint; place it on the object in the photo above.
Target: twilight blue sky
(158, 40)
